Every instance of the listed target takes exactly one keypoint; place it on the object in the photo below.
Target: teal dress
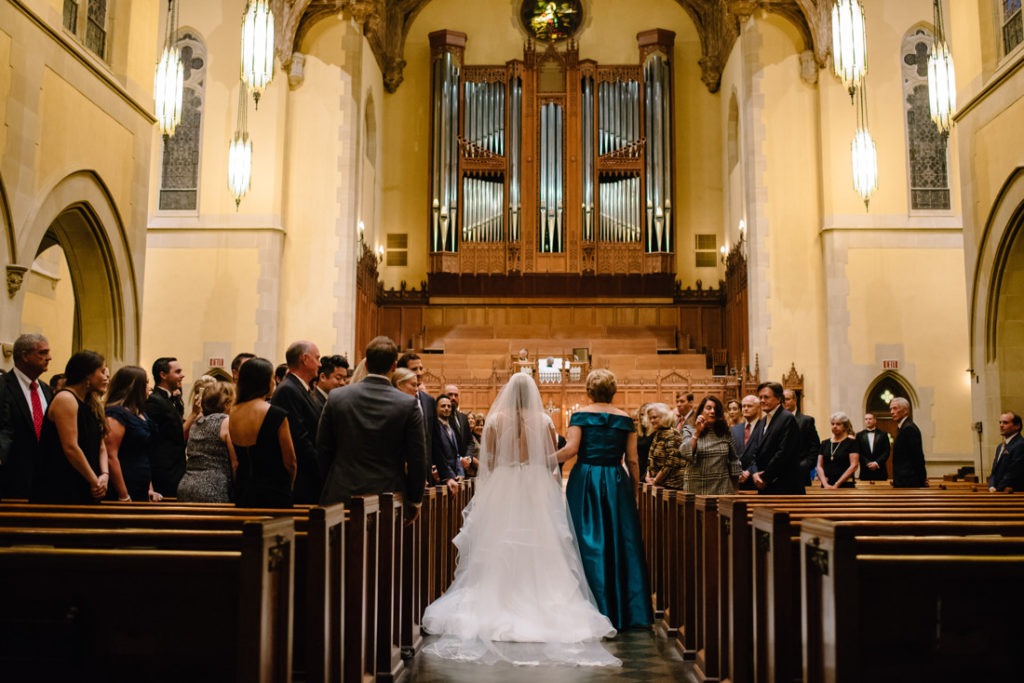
(602, 503)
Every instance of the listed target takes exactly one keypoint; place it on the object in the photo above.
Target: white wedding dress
(520, 594)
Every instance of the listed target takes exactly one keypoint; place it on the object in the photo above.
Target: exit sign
(215, 362)
(890, 365)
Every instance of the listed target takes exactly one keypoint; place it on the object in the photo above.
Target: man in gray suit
(370, 438)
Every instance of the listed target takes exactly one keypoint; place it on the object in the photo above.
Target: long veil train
(520, 594)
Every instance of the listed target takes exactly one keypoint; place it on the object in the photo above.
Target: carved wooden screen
(552, 165)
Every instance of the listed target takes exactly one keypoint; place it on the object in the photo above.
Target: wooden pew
(318, 552)
(733, 563)
(776, 578)
(158, 614)
(898, 608)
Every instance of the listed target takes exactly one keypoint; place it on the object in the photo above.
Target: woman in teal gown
(602, 502)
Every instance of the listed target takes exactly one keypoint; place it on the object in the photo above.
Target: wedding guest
(23, 403)
(665, 468)
(908, 461)
(471, 461)
(279, 373)
(57, 382)
(168, 455)
(293, 395)
(265, 470)
(839, 456)
(237, 362)
(196, 399)
(73, 467)
(360, 373)
(209, 455)
(405, 380)
(733, 412)
(712, 466)
(602, 500)
(219, 374)
(129, 436)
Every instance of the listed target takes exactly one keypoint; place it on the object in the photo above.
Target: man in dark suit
(874, 450)
(742, 434)
(333, 373)
(908, 470)
(685, 411)
(293, 395)
(446, 456)
(168, 451)
(458, 420)
(23, 402)
(370, 439)
(776, 448)
(428, 408)
(810, 444)
(1008, 466)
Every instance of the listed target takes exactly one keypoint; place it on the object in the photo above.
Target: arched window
(179, 185)
(1010, 20)
(927, 163)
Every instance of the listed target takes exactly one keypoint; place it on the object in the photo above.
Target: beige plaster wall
(494, 37)
(194, 328)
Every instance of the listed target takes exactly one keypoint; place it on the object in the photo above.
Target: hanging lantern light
(849, 43)
(257, 47)
(169, 81)
(941, 76)
(863, 152)
(240, 152)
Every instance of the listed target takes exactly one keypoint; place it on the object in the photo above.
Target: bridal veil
(520, 593)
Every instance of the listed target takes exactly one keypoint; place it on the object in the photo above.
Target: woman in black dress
(73, 465)
(266, 464)
(129, 434)
(838, 458)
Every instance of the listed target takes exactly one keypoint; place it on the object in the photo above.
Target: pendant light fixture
(863, 152)
(257, 47)
(941, 76)
(169, 81)
(240, 152)
(849, 43)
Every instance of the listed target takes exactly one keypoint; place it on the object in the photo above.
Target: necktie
(746, 434)
(37, 408)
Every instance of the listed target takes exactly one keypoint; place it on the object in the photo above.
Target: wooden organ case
(552, 175)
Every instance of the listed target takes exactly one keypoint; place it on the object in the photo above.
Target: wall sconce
(743, 229)
(360, 231)
(724, 251)
(380, 253)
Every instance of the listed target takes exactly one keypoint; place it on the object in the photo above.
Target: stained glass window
(71, 15)
(926, 146)
(179, 187)
(1013, 29)
(96, 27)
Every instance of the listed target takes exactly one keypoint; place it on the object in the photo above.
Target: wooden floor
(645, 657)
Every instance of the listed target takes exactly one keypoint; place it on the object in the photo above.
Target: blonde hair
(601, 385)
(199, 388)
(360, 373)
(218, 397)
(401, 375)
(664, 418)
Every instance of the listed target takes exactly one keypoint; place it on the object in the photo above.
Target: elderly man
(293, 395)
(741, 436)
(1008, 466)
(908, 470)
(23, 401)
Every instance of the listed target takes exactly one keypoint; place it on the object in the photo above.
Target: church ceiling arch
(385, 24)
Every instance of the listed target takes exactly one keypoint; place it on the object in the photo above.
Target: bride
(520, 594)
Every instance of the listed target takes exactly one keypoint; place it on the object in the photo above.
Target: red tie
(37, 408)
(746, 434)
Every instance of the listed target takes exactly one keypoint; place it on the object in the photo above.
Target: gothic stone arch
(79, 214)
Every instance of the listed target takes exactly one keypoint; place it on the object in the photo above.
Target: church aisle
(645, 657)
